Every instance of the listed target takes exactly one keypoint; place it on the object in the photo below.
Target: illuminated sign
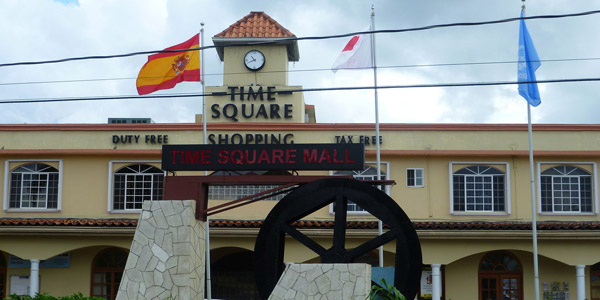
(263, 157)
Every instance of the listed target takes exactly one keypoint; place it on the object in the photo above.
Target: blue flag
(528, 63)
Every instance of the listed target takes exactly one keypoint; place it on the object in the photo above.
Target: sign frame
(263, 157)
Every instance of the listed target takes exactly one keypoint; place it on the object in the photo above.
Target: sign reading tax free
(263, 157)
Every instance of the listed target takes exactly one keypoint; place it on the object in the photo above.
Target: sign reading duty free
(263, 157)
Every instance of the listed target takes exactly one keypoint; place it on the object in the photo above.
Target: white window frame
(111, 178)
(507, 192)
(422, 177)
(541, 164)
(387, 188)
(238, 191)
(7, 175)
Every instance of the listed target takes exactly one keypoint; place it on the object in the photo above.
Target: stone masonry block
(158, 252)
(178, 207)
(167, 208)
(174, 221)
(323, 281)
(162, 262)
(160, 221)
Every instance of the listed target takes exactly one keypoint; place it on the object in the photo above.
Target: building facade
(72, 193)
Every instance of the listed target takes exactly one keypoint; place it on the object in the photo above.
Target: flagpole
(536, 275)
(207, 235)
(378, 147)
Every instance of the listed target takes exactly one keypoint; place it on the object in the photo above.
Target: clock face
(254, 60)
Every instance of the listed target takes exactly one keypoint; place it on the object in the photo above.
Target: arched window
(500, 277)
(368, 173)
(566, 189)
(135, 184)
(595, 282)
(107, 271)
(2, 276)
(34, 186)
(478, 189)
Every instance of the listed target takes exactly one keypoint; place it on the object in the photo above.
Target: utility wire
(291, 91)
(286, 40)
(312, 70)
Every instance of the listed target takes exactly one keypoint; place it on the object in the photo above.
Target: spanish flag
(166, 69)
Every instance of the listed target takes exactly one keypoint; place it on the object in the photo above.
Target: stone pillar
(580, 272)
(436, 278)
(323, 281)
(34, 277)
(166, 259)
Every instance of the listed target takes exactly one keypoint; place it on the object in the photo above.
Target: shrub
(385, 292)
(76, 296)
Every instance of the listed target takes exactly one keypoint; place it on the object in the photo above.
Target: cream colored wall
(86, 177)
(400, 140)
(415, 201)
(29, 246)
(78, 276)
(53, 280)
(85, 181)
(461, 276)
(81, 197)
(432, 202)
(461, 279)
(88, 140)
(551, 271)
(84, 186)
(274, 71)
(568, 250)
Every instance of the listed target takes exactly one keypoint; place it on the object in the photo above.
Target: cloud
(49, 29)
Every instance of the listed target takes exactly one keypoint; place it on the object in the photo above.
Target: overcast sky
(36, 30)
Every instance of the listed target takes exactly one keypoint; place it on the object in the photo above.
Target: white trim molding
(6, 196)
(422, 178)
(594, 168)
(110, 183)
(507, 187)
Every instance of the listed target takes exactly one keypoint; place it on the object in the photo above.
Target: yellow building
(72, 193)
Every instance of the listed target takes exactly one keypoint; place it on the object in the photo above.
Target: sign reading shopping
(263, 157)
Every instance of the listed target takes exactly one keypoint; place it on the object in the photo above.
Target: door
(500, 277)
(595, 282)
(500, 287)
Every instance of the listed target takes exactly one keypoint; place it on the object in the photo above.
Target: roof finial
(372, 9)
(523, 6)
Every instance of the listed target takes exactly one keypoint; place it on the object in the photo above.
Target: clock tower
(256, 51)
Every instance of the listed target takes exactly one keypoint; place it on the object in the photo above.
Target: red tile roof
(303, 224)
(256, 24)
(69, 222)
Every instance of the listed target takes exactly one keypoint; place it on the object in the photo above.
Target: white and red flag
(356, 54)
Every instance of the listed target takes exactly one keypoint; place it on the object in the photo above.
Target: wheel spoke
(306, 241)
(339, 229)
(372, 244)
